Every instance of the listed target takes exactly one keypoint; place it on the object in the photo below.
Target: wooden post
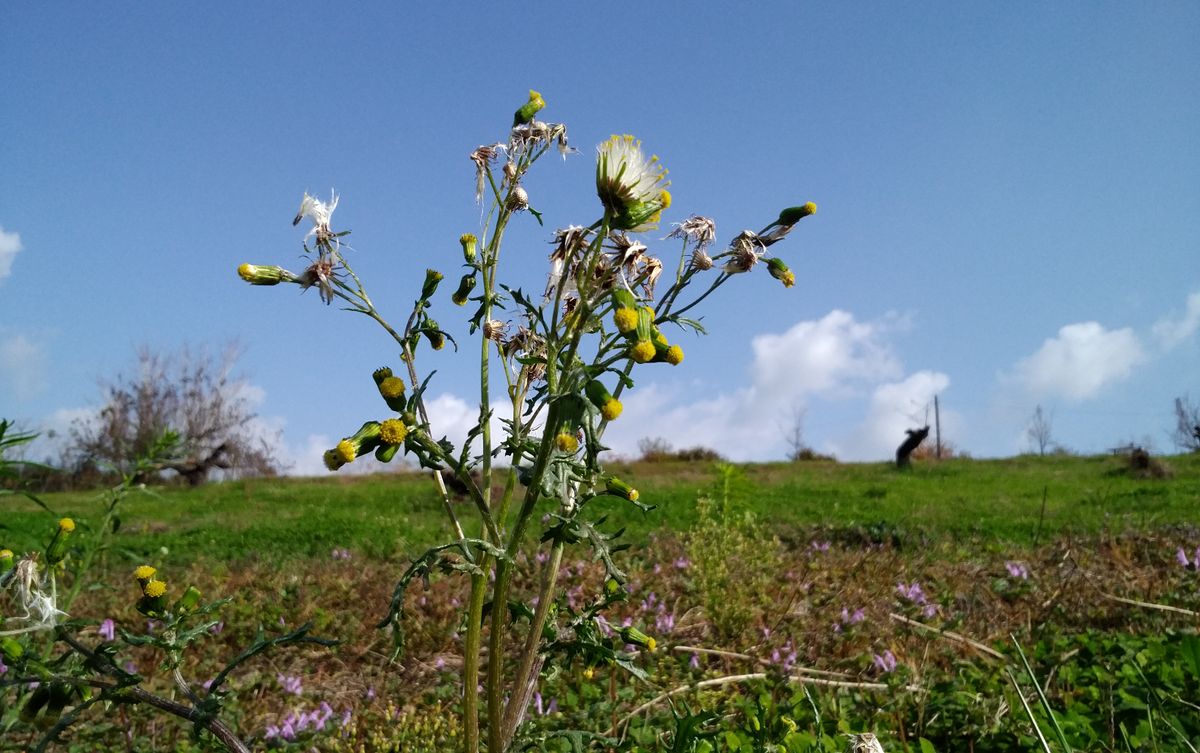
(937, 422)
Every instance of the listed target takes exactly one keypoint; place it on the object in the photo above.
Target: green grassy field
(395, 515)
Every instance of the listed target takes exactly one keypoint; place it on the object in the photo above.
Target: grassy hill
(395, 515)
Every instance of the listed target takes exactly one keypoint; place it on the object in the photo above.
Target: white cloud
(1079, 363)
(1172, 332)
(822, 356)
(22, 366)
(10, 246)
(835, 357)
(895, 407)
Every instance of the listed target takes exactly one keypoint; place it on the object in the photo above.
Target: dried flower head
(701, 260)
(494, 329)
(518, 199)
(481, 157)
(864, 743)
(320, 213)
(699, 230)
(653, 269)
(322, 274)
(627, 252)
(745, 251)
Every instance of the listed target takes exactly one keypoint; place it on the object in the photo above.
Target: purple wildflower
(885, 662)
(216, 629)
(290, 684)
(1182, 558)
(3, 667)
(682, 563)
(340, 554)
(1017, 570)
(694, 662)
(108, 630)
(820, 546)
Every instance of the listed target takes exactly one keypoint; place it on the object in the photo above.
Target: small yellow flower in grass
(155, 588)
(66, 525)
(57, 551)
(468, 242)
(642, 352)
(393, 431)
(144, 573)
(626, 320)
(567, 441)
(589, 673)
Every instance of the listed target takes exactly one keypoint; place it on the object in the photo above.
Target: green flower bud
(57, 551)
(623, 299)
(383, 372)
(256, 274)
(792, 215)
(363, 441)
(779, 270)
(189, 600)
(432, 278)
(385, 452)
(600, 397)
(468, 242)
(529, 109)
(437, 340)
(6, 561)
(619, 488)
(637, 638)
(465, 286)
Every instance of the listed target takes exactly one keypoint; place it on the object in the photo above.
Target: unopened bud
(792, 215)
(432, 278)
(779, 270)
(57, 551)
(619, 488)
(256, 274)
(526, 112)
(637, 638)
(189, 600)
(465, 286)
(437, 340)
(469, 242)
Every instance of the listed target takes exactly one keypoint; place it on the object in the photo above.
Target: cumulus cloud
(837, 357)
(10, 246)
(894, 407)
(1080, 362)
(22, 366)
(1171, 332)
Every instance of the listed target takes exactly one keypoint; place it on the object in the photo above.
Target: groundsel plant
(54, 674)
(564, 356)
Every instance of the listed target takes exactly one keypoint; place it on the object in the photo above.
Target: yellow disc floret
(393, 431)
(674, 355)
(144, 572)
(611, 409)
(566, 441)
(651, 644)
(392, 386)
(66, 525)
(626, 320)
(155, 588)
(643, 352)
(346, 451)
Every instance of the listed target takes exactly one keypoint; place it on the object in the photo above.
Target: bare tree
(1187, 425)
(192, 393)
(1040, 430)
(793, 435)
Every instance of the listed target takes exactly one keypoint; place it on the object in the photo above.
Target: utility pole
(937, 423)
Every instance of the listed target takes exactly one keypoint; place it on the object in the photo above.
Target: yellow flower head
(468, 242)
(642, 352)
(566, 441)
(674, 355)
(6, 554)
(651, 644)
(346, 451)
(611, 410)
(588, 673)
(392, 387)
(66, 525)
(393, 431)
(144, 572)
(155, 588)
(626, 320)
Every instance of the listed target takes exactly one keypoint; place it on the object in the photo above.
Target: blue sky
(1009, 203)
